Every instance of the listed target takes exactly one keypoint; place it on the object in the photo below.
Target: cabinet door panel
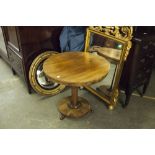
(12, 39)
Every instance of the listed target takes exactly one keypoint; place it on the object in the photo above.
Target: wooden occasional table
(75, 69)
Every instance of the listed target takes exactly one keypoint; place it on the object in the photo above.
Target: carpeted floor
(20, 110)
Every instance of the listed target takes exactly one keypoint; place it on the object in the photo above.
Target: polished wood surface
(76, 68)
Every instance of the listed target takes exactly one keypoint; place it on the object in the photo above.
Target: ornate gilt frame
(122, 35)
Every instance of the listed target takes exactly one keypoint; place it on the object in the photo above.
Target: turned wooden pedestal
(74, 106)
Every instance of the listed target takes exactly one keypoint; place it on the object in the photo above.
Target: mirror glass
(111, 50)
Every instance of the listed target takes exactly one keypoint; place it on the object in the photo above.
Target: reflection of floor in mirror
(18, 109)
(108, 79)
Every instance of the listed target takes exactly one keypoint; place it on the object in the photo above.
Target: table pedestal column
(74, 106)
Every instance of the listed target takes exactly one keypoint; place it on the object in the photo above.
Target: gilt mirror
(114, 44)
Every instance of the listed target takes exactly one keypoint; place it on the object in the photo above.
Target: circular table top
(76, 68)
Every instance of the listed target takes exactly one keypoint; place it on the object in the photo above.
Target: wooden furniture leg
(73, 106)
(74, 97)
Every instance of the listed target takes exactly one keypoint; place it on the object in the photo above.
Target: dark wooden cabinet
(24, 43)
(138, 67)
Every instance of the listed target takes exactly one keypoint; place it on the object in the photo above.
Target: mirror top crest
(119, 32)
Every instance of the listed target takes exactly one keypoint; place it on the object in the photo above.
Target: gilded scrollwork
(129, 44)
(115, 96)
(120, 32)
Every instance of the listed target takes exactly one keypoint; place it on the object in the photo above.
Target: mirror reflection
(111, 50)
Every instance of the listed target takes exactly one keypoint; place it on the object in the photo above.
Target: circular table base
(67, 111)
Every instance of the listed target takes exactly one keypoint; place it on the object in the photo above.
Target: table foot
(91, 110)
(111, 107)
(67, 110)
(62, 116)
